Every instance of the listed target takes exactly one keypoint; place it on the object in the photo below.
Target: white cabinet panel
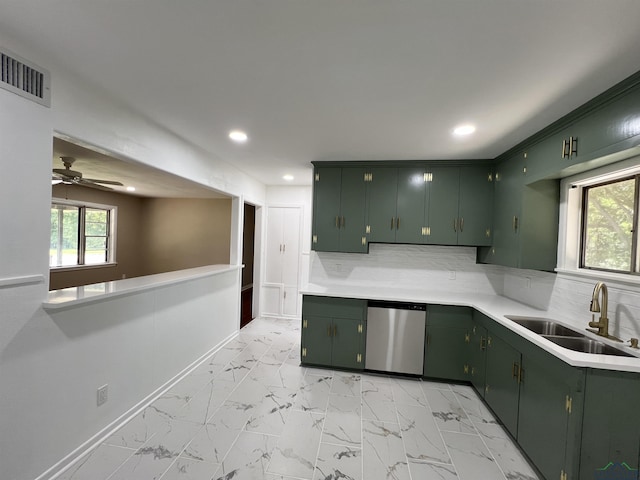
(282, 269)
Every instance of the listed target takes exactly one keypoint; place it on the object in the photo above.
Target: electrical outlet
(103, 394)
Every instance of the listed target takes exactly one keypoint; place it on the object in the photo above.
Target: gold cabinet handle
(461, 224)
(342, 222)
(398, 223)
(514, 370)
(515, 223)
(455, 224)
(573, 146)
(566, 149)
(337, 221)
(393, 219)
(483, 343)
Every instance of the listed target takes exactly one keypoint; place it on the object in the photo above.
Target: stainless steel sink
(566, 337)
(586, 345)
(544, 326)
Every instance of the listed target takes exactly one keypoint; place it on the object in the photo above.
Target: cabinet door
(290, 251)
(545, 158)
(382, 193)
(477, 358)
(412, 198)
(543, 416)
(611, 124)
(502, 382)
(507, 204)
(442, 214)
(611, 425)
(352, 210)
(475, 206)
(273, 256)
(316, 340)
(326, 209)
(446, 352)
(348, 343)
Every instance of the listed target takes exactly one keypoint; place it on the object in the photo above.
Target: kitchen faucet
(602, 326)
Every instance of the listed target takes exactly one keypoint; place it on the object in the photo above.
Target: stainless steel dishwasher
(395, 337)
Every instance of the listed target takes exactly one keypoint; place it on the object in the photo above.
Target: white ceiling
(340, 79)
(147, 181)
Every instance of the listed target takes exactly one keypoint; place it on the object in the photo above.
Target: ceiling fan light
(238, 136)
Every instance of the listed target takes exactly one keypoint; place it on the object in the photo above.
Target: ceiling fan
(73, 177)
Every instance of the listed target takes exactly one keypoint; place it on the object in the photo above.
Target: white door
(282, 261)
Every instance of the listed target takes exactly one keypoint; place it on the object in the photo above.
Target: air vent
(24, 78)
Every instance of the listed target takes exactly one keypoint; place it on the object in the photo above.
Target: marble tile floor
(252, 412)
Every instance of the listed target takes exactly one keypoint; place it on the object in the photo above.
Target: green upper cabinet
(525, 233)
(339, 201)
(412, 205)
(382, 194)
(604, 130)
(396, 199)
(611, 124)
(460, 208)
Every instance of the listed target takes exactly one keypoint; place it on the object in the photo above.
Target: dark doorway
(248, 235)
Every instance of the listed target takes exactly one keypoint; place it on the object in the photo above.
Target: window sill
(82, 267)
(591, 275)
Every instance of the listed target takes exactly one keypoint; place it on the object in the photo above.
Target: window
(609, 219)
(81, 234)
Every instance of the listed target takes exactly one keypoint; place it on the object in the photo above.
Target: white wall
(49, 371)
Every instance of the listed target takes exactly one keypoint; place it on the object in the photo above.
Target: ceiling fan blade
(84, 183)
(67, 173)
(107, 182)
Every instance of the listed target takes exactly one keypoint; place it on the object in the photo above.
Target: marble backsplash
(408, 266)
(454, 269)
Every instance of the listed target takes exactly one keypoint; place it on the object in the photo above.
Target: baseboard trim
(96, 440)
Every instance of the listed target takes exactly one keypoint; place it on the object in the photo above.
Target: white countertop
(495, 307)
(73, 296)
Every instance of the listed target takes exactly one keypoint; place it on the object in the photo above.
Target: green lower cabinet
(333, 332)
(477, 352)
(316, 340)
(348, 344)
(502, 381)
(549, 415)
(611, 425)
(448, 335)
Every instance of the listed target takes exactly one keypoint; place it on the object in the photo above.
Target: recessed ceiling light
(131, 189)
(288, 178)
(238, 136)
(462, 130)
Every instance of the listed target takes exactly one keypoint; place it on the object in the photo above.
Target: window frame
(571, 215)
(110, 239)
(633, 254)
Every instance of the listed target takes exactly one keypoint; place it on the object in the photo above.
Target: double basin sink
(566, 337)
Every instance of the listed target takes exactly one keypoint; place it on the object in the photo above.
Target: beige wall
(185, 233)
(128, 228)
(154, 235)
